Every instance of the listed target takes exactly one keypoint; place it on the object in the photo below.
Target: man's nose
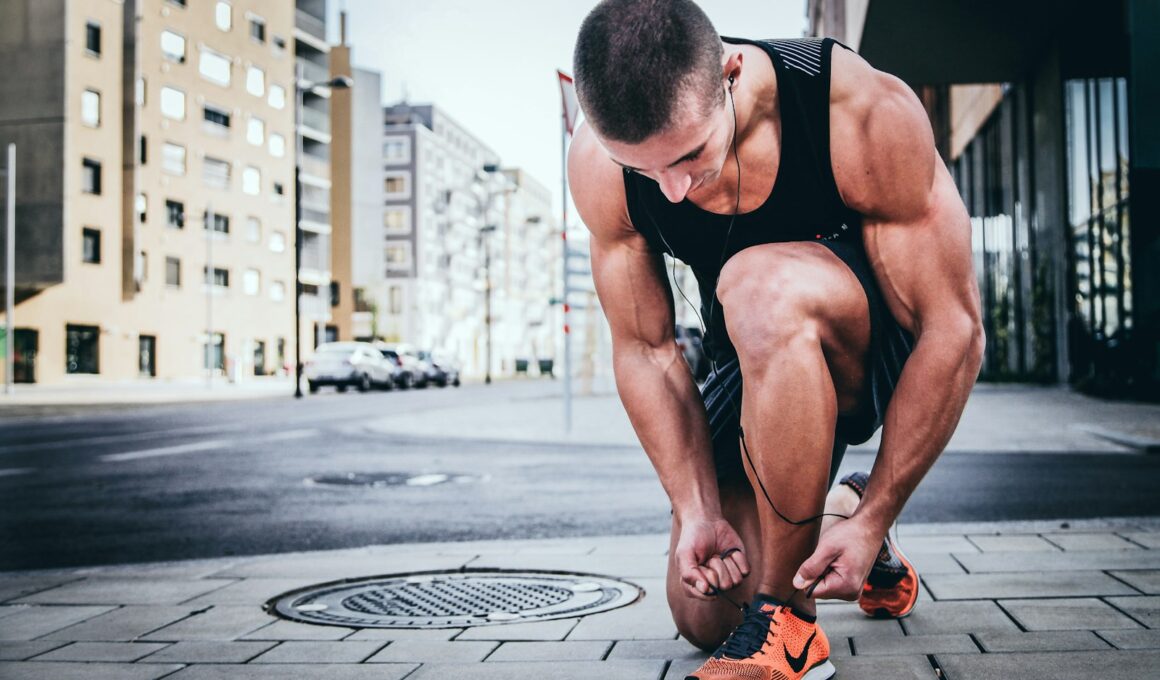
(674, 185)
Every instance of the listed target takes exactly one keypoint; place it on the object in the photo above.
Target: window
(173, 46)
(279, 189)
(173, 272)
(397, 220)
(173, 158)
(277, 145)
(395, 184)
(258, 29)
(215, 173)
(213, 353)
(81, 349)
(179, 3)
(217, 222)
(255, 131)
(174, 214)
(142, 206)
(93, 38)
(172, 103)
(219, 278)
(397, 150)
(223, 15)
(252, 282)
(251, 181)
(396, 300)
(92, 246)
(140, 269)
(398, 256)
(140, 92)
(216, 120)
(279, 44)
(253, 230)
(256, 81)
(91, 108)
(91, 176)
(277, 291)
(142, 150)
(277, 242)
(214, 67)
(277, 98)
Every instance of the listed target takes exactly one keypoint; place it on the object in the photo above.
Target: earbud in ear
(730, 80)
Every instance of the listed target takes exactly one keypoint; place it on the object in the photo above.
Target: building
(1043, 111)
(154, 228)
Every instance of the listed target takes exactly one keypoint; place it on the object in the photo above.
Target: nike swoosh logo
(797, 663)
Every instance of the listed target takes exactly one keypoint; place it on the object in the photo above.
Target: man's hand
(843, 558)
(710, 555)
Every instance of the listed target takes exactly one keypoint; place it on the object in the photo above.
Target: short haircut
(637, 60)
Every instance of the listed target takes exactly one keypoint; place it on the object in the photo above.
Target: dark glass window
(220, 277)
(258, 30)
(93, 37)
(82, 349)
(279, 189)
(218, 222)
(173, 272)
(216, 116)
(91, 177)
(92, 246)
(142, 150)
(174, 214)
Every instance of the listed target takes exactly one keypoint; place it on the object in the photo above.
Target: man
(834, 260)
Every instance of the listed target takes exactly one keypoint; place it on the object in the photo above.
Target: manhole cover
(385, 479)
(453, 600)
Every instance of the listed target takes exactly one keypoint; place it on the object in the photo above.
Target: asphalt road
(104, 485)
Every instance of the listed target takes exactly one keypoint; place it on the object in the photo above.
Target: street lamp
(301, 87)
(483, 235)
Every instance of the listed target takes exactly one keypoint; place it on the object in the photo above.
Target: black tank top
(803, 206)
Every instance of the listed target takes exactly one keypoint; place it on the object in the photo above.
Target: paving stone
(1012, 543)
(1100, 541)
(847, 620)
(647, 619)
(273, 671)
(405, 634)
(12, 609)
(292, 630)
(934, 618)
(1050, 641)
(1150, 539)
(103, 651)
(221, 622)
(1132, 639)
(254, 591)
(656, 649)
(19, 651)
(629, 567)
(681, 668)
(1145, 609)
(935, 563)
(208, 652)
(1049, 665)
(1144, 580)
(913, 644)
(59, 670)
(34, 622)
(333, 567)
(881, 667)
(539, 630)
(654, 545)
(951, 543)
(538, 670)
(125, 591)
(421, 651)
(1079, 560)
(994, 586)
(580, 650)
(320, 652)
(1066, 614)
(15, 586)
(124, 624)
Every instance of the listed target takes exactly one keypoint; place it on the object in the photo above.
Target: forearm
(666, 411)
(923, 413)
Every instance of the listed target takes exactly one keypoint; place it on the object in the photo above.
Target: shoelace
(749, 637)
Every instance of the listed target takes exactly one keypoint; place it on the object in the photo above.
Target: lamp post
(483, 235)
(301, 87)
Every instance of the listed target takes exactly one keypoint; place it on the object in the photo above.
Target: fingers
(833, 585)
(737, 557)
(813, 568)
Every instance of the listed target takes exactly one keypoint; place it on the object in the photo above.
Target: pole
(210, 281)
(487, 302)
(10, 273)
(297, 232)
(564, 239)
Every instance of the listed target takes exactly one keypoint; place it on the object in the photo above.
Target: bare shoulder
(597, 185)
(881, 144)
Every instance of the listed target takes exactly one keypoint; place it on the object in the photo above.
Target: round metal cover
(453, 599)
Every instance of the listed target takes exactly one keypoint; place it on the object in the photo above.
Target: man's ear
(731, 66)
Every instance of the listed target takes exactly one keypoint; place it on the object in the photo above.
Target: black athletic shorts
(890, 346)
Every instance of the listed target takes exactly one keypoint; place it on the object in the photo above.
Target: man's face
(685, 158)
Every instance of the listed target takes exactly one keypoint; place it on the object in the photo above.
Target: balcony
(310, 24)
(316, 120)
(313, 73)
(315, 166)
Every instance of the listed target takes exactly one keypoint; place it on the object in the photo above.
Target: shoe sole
(881, 613)
(823, 671)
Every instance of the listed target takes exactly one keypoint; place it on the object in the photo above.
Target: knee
(768, 305)
(707, 635)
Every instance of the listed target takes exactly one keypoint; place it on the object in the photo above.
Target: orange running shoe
(891, 589)
(773, 642)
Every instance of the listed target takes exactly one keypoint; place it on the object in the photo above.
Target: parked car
(444, 369)
(348, 364)
(412, 370)
(690, 344)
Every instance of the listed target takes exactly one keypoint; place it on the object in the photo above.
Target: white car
(347, 364)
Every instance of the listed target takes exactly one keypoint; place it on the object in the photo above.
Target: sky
(491, 65)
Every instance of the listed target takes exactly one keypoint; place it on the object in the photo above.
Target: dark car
(689, 342)
(444, 370)
(412, 371)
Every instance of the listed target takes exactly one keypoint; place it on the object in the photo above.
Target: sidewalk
(82, 390)
(1031, 600)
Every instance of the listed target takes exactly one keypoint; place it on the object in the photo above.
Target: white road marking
(288, 435)
(211, 445)
(12, 472)
(74, 443)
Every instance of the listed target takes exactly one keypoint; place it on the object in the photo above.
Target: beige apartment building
(155, 179)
